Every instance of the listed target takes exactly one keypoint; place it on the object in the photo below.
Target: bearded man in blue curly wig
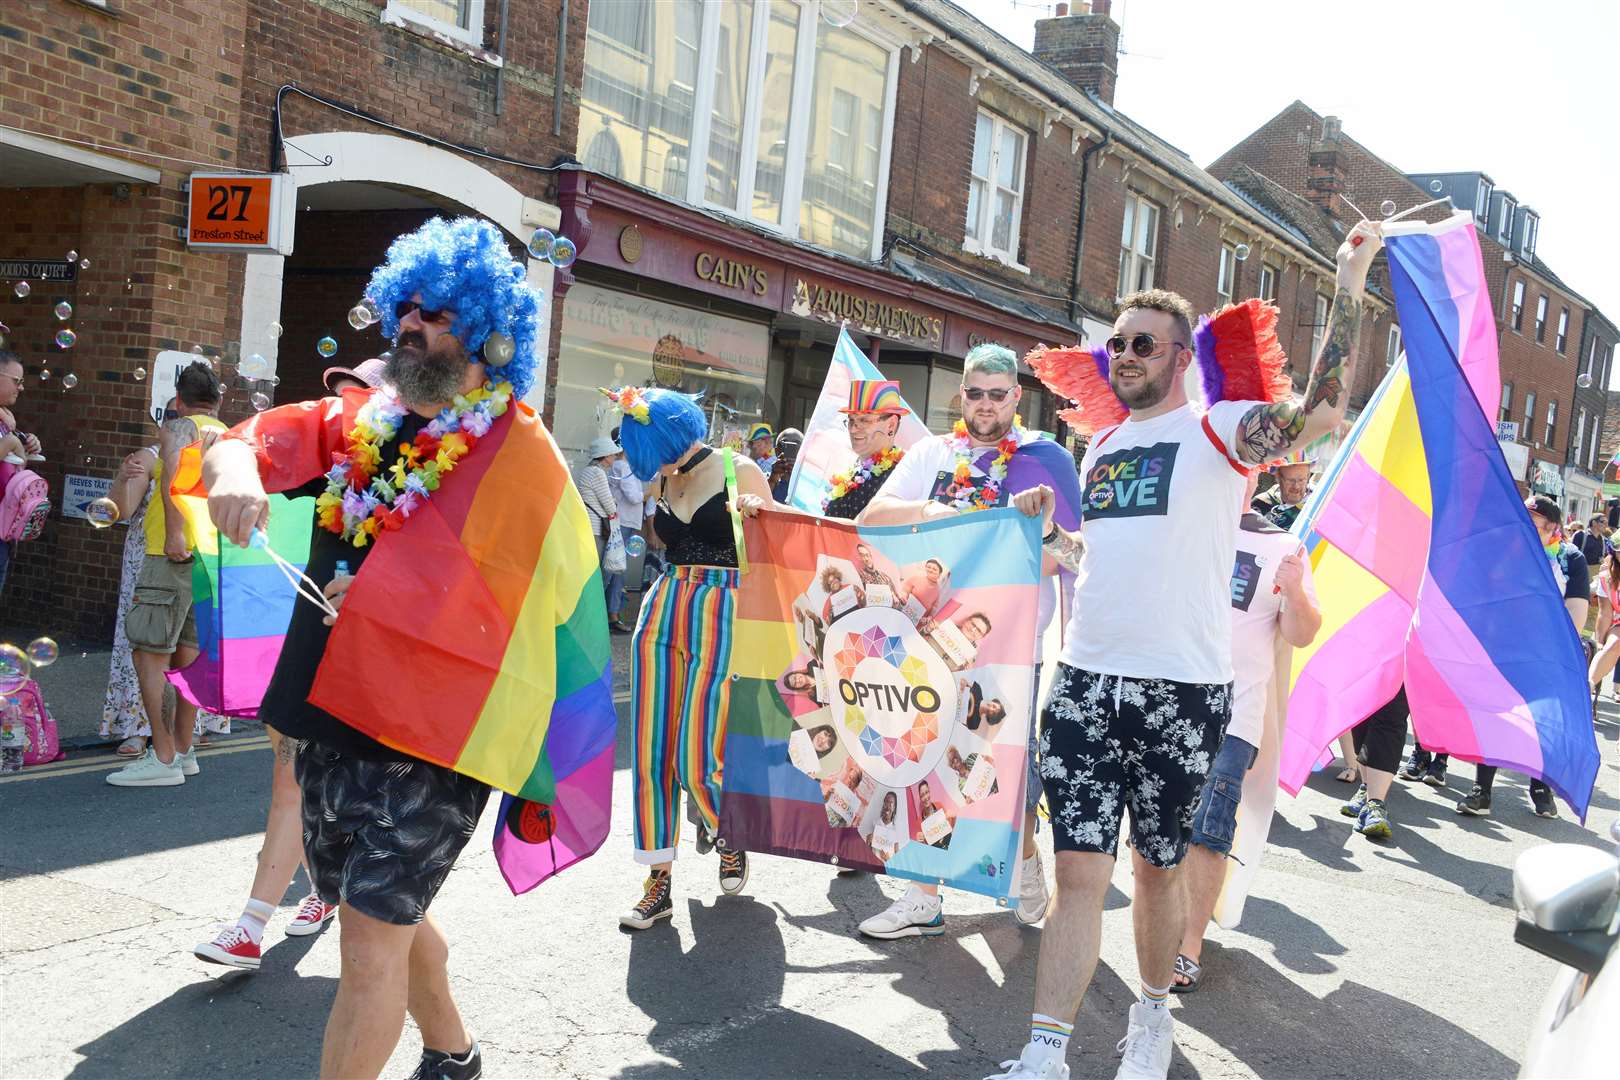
(431, 493)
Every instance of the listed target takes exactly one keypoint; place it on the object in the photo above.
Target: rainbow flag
(826, 449)
(475, 636)
(241, 600)
(1427, 567)
(880, 706)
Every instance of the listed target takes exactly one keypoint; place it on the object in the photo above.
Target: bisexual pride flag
(882, 694)
(1426, 565)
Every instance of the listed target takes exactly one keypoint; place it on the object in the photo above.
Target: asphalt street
(1354, 959)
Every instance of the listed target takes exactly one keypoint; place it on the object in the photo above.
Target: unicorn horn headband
(631, 401)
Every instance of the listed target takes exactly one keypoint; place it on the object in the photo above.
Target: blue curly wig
(674, 423)
(464, 266)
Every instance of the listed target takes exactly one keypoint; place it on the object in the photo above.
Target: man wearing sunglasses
(922, 488)
(1143, 692)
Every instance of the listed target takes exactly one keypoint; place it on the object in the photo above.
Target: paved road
(1354, 960)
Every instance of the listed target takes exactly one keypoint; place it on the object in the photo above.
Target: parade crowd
(1185, 593)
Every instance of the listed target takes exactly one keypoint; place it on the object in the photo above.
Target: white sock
(1048, 1040)
(1155, 997)
(254, 918)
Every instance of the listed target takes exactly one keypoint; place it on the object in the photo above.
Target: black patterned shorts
(1111, 744)
(380, 836)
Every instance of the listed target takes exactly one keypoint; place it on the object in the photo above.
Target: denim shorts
(1216, 817)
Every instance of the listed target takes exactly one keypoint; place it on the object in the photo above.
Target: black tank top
(706, 540)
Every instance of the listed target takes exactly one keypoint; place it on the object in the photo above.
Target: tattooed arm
(1061, 547)
(1270, 431)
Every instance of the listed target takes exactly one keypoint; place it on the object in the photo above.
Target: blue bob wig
(464, 266)
(674, 423)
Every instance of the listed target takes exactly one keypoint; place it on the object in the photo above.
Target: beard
(424, 377)
(987, 429)
(1147, 391)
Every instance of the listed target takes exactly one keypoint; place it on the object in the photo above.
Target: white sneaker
(1032, 895)
(148, 771)
(1147, 1045)
(188, 762)
(1025, 1070)
(916, 914)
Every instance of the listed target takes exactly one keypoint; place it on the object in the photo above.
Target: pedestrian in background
(596, 490)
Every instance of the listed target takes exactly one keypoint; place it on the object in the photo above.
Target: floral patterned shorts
(1111, 744)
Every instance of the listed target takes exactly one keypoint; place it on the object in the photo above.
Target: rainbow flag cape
(241, 600)
(1426, 565)
(826, 451)
(475, 636)
(880, 708)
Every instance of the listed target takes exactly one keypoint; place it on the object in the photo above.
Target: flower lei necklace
(862, 471)
(359, 502)
(963, 493)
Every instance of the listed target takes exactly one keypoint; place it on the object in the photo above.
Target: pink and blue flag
(1426, 565)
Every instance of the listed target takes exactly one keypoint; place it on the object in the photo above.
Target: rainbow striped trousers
(681, 694)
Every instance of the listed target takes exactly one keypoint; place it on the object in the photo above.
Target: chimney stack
(1325, 186)
(1082, 46)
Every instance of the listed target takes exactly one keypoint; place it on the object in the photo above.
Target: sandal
(1186, 969)
(132, 747)
(1348, 775)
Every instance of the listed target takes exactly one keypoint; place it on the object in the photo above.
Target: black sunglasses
(427, 315)
(1142, 345)
(975, 393)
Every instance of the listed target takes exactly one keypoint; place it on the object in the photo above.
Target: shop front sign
(865, 312)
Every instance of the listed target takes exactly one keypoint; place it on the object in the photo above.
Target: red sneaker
(232, 947)
(313, 914)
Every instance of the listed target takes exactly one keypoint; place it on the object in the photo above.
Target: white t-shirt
(914, 479)
(1255, 610)
(1160, 506)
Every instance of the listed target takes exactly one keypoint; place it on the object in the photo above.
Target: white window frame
(1226, 273)
(1532, 226)
(1482, 202)
(981, 244)
(1552, 421)
(1319, 317)
(471, 34)
(1268, 274)
(1392, 348)
(1580, 435)
(1529, 416)
(798, 133)
(1504, 226)
(1134, 203)
(1504, 408)
(1561, 338)
(1516, 309)
(1541, 317)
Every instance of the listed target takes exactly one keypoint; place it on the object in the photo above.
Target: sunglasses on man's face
(975, 393)
(427, 315)
(1142, 345)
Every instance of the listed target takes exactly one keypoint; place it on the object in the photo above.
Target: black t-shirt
(286, 704)
(1577, 577)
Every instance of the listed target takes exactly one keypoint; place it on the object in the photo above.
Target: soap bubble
(1387, 207)
(253, 366)
(1241, 252)
(198, 349)
(101, 513)
(44, 374)
(65, 338)
(563, 252)
(72, 255)
(64, 310)
(274, 329)
(42, 652)
(1436, 186)
(1583, 380)
(839, 13)
(69, 381)
(364, 314)
(540, 243)
(140, 374)
(14, 668)
(499, 348)
(259, 400)
(634, 546)
(84, 264)
(327, 347)
(21, 289)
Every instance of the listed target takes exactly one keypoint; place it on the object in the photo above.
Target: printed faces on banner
(892, 717)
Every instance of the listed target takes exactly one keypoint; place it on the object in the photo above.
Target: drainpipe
(557, 84)
(1080, 223)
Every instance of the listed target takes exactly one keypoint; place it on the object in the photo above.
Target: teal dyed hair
(991, 360)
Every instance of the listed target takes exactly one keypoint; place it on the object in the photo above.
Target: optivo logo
(897, 699)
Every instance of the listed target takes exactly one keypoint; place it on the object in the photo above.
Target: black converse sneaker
(439, 1065)
(655, 903)
(733, 871)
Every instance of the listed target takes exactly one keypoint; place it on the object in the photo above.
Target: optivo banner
(882, 693)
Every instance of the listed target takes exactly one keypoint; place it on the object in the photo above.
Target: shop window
(460, 19)
(944, 398)
(615, 339)
(1138, 244)
(789, 123)
(995, 189)
(1226, 274)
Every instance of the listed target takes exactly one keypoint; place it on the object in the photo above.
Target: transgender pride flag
(1426, 565)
